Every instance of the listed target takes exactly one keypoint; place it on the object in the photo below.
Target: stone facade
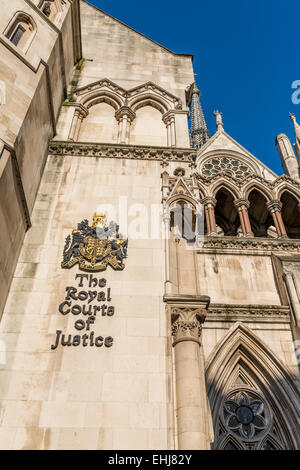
(191, 343)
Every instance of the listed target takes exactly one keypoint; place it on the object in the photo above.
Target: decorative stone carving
(232, 166)
(217, 312)
(261, 244)
(187, 324)
(121, 151)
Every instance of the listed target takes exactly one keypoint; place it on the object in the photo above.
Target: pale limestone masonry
(35, 84)
(205, 331)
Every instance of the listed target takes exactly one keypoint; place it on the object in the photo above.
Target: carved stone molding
(125, 111)
(186, 324)
(82, 149)
(260, 313)
(274, 206)
(209, 202)
(187, 313)
(250, 244)
(242, 203)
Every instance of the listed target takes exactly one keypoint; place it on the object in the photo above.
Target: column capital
(188, 313)
(274, 206)
(209, 202)
(80, 110)
(125, 111)
(242, 203)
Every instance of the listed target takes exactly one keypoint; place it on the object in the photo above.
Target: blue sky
(246, 57)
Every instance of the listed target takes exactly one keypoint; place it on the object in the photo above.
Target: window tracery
(246, 419)
(233, 166)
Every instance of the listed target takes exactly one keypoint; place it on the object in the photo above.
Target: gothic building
(172, 335)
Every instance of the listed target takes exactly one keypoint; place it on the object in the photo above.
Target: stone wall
(116, 398)
(35, 85)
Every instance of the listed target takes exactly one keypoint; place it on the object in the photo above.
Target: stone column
(169, 140)
(124, 116)
(173, 132)
(242, 206)
(209, 208)
(274, 208)
(166, 222)
(79, 114)
(169, 120)
(188, 313)
(78, 126)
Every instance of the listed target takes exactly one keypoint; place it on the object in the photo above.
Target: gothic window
(21, 31)
(230, 446)
(183, 221)
(47, 9)
(51, 8)
(232, 166)
(17, 35)
(246, 418)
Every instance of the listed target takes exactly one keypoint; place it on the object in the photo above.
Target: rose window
(244, 415)
(236, 168)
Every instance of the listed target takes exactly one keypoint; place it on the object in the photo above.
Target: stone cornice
(256, 246)
(260, 313)
(133, 152)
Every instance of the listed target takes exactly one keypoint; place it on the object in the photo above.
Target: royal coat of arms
(96, 247)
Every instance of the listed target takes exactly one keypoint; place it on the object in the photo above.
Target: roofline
(138, 32)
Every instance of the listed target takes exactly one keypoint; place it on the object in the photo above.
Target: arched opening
(291, 215)
(183, 221)
(51, 8)
(227, 217)
(148, 128)
(100, 125)
(21, 31)
(260, 218)
(253, 398)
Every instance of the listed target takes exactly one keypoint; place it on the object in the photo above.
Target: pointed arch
(289, 189)
(260, 188)
(99, 96)
(149, 99)
(226, 214)
(223, 183)
(241, 348)
(290, 213)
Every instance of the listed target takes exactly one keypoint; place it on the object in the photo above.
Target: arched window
(183, 221)
(253, 398)
(51, 8)
(21, 31)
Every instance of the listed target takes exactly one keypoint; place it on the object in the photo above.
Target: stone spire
(199, 131)
(297, 134)
(287, 156)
